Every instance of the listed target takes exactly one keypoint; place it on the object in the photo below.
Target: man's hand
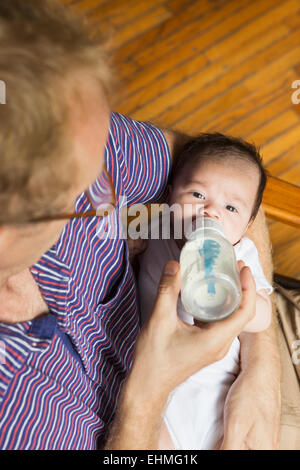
(169, 351)
(252, 413)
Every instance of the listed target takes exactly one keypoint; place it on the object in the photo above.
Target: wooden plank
(293, 20)
(239, 38)
(188, 68)
(176, 6)
(243, 117)
(282, 234)
(141, 25)
(119, 13)
(279, 145)
(162, 32)
(274, 127)
(286, 259)
(281, 201)
(218, 25)
(285, 161)
(274, 69)
(292, 175)
(206, 116)
(150, 75)
(162, 84)
(67, 2)
(285, 240)
(238, 71)
(196, 121)
(122, 71)
(85, 6)
(259, 116)
(213, 80)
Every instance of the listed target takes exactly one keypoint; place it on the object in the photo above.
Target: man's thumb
(169, 286)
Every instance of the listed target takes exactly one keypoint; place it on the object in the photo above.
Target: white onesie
(194, 412)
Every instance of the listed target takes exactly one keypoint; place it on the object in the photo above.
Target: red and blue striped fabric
(62, 372)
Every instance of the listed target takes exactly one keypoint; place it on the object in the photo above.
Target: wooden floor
(206, 65)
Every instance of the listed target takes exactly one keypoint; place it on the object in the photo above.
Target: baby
(226, 176)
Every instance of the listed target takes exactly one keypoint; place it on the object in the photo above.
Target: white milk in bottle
(210, 288)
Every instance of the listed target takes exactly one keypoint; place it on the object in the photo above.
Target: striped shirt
(60, 374)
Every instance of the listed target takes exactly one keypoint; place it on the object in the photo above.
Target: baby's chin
(233, 240)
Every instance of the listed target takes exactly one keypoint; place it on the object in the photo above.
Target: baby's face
(226, 191)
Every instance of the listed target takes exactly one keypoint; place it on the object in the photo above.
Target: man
(69, 319)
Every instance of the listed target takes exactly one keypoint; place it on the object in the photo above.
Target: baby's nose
(211, 211)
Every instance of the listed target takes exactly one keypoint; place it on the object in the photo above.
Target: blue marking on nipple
(209, 252)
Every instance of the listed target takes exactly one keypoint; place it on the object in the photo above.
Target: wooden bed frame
(281, 202)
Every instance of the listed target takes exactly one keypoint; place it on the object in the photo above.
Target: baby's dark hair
(216, 147)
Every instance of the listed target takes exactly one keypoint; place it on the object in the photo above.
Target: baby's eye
(231, 208)
(198, 195)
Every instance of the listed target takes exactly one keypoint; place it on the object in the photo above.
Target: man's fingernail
(171, 269)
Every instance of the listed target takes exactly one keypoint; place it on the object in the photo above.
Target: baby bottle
(210, 288)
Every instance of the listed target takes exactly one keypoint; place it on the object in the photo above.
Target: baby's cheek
(234, 234)
(230, 231)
